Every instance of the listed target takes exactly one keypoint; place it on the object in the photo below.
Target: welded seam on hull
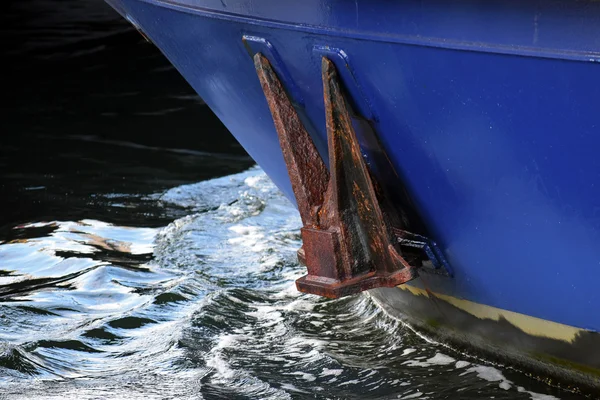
(479, 47)
(531, 325)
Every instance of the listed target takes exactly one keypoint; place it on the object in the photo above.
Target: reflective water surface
(206, 307)
(140, 257)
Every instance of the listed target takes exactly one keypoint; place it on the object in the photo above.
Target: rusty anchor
(348, 243)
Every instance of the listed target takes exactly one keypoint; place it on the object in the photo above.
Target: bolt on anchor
(348, 243)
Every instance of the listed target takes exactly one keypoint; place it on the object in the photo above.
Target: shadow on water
(122, 278)
(96, 116)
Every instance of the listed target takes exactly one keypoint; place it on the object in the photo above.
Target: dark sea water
(142, 256)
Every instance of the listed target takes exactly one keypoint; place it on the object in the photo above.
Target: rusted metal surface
(307, 171)
(348, 243)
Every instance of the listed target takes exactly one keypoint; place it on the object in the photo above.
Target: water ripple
(206, 307)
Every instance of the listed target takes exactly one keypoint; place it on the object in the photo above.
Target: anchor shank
(307, 171)
(355, 203)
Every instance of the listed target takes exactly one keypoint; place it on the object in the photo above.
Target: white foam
(329, 372)
(415, 395)
(408, 351)
(221, 367)
(441, 359)
(258, 181)
(537, 396)
(304, 375)
(371, 373)
(416, 363)
(490, 374)
(292, 388)
(225, 341)
(350, 382)
(438, 359)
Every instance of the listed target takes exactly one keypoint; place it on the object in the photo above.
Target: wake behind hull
(488, 113)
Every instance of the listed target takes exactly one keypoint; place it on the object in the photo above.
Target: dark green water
(140, 258)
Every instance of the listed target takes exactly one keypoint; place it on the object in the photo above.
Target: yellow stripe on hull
(528, 324)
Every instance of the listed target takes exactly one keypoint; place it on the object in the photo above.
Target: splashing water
(206, 307)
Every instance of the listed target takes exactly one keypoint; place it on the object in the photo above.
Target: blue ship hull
(488, 112)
